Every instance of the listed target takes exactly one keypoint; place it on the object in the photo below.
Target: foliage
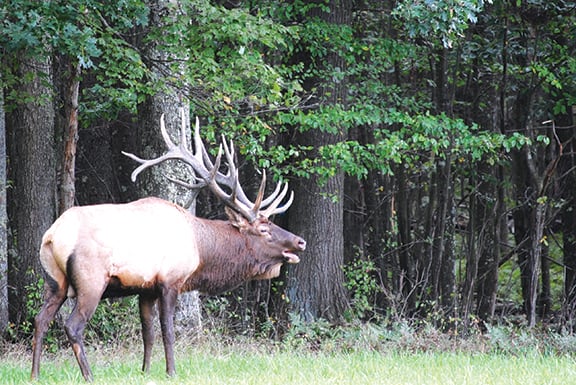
(223, 57)
(91, 33)
(445, 20)
(34, 300)
(403, 139)
(363, 284)
(115, 321)
(228, 58)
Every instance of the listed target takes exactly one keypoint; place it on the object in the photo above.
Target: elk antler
(206, 173)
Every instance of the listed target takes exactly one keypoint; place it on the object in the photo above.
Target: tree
(31, 208)
(3, 221)
(171, 103)
(538, 49)
(316, 285)
(67, 191)
(31, 34)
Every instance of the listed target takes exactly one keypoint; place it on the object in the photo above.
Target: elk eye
(263, 230)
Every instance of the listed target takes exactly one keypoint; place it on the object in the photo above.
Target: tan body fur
(140, 243)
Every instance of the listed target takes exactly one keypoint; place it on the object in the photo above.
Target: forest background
(430, 145)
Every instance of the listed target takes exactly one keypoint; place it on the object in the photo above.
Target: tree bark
(406, 279)
(31, 208)
(67, 189)
(443, 251)
(490, 230)
(315, 286)
(567, 166)
(153, 182)
(530, 216)
(3, 223)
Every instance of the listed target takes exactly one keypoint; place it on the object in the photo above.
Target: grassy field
(222, 363)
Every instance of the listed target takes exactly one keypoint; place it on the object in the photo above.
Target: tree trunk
(31, 208)
(545, 296)
(442, 277)
(3, 223)
(529, 217)
(567, 167)
(491, 229)
(153, 182)
(67, 190)
(354, 212)
(315, 286)
(379, 200)
(406, 279)
(443, 251)
(475, 233)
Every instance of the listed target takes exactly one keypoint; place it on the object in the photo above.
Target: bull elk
(156, 249)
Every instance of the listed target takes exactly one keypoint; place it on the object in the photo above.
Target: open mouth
(290, 257)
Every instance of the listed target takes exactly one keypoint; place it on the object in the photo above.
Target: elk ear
(236, 219)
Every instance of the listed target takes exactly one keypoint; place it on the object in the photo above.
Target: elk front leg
(167, 307)
(146, 304)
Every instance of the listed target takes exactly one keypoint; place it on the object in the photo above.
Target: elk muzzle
(289, 256)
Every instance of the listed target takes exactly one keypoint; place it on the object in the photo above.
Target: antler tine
(239, 196)
(200, 152)
(272, 196)
(231, 178)
(180, 152)
(274, 209)
(285, 206)
(165, 135)
(198, 184)
(144, 164)
(232, 174)
(260, 196)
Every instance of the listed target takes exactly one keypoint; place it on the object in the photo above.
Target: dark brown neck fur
(227, 258)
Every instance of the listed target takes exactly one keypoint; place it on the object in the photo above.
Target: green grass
(249, 363)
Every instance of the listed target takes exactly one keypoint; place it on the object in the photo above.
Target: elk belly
(132, 277)
(145, 267)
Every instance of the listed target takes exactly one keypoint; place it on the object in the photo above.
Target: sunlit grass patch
(219, 363)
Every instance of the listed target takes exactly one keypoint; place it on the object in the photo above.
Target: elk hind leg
(89, 289)
(146, 305)
(167, 307)
(55, 296)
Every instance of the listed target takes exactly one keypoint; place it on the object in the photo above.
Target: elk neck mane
(227, 258)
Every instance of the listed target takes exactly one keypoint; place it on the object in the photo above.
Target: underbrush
(402, 337)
